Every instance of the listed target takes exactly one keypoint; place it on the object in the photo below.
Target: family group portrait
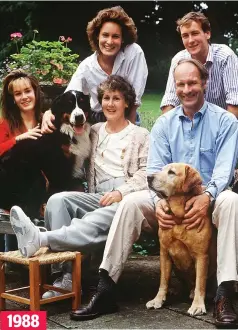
(119, 164)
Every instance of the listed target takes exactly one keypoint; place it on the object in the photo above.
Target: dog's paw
(155, 303)
(197, 309)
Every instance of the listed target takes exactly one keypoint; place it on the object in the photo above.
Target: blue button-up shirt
(209, 143)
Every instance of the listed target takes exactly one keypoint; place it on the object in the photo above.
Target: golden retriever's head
(176, 179)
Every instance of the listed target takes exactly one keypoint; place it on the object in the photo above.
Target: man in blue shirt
(205, 136)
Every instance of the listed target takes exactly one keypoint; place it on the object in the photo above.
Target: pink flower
(62, 38)
(16, 35)
(69, 39)
(58, 81)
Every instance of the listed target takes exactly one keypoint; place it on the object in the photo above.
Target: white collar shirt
(130, 64)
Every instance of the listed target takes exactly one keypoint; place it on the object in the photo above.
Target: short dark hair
(116, 15)
(10, 111)
(118, 83)
(194, 16)
(201, 68)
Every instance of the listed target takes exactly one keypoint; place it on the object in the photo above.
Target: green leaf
(50, 57)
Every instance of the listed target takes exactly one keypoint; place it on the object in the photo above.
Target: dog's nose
(150, 179)
(79, 119)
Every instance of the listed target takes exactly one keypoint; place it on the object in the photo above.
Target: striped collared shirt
(222, 85)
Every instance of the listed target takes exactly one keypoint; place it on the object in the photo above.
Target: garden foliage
(49, 61)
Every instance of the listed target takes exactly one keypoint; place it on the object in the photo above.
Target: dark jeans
(28, 192)
(26, 189)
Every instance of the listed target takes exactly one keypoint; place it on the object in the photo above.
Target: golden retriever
(193, 253)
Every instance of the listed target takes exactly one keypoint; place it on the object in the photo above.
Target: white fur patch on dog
(81, 150)
(67, 129)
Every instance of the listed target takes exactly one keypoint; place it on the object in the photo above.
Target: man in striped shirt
(220, 61)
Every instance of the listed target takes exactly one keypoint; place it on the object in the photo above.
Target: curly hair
(196, 17)
(10, 110)
(116, 15)
(118, 83)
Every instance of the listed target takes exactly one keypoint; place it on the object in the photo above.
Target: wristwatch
(210, 196)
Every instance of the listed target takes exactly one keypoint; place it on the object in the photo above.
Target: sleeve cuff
(212, 191)
(124, 190)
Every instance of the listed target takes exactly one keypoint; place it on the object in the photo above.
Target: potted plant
(51, 62)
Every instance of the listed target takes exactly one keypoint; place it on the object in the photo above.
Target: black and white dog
(72, 116)
(61, 155)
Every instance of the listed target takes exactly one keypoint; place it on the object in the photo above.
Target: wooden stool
(37, 277)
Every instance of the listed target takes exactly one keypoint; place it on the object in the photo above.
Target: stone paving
(138, 284)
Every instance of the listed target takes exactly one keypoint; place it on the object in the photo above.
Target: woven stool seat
(37, 275)
(44, 255)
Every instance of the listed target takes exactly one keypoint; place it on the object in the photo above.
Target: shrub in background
(51, 62)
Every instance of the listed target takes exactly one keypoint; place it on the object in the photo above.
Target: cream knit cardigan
(134, 162)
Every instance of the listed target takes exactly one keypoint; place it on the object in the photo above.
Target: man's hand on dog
(165, 220)
(33, 134)
(110, 198)
(196, 211)
(47, 122)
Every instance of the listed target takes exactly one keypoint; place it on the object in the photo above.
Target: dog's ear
(85, 101)
(193, 181)
(56, 105)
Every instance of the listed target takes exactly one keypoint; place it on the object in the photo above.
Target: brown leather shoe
(224, 314)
